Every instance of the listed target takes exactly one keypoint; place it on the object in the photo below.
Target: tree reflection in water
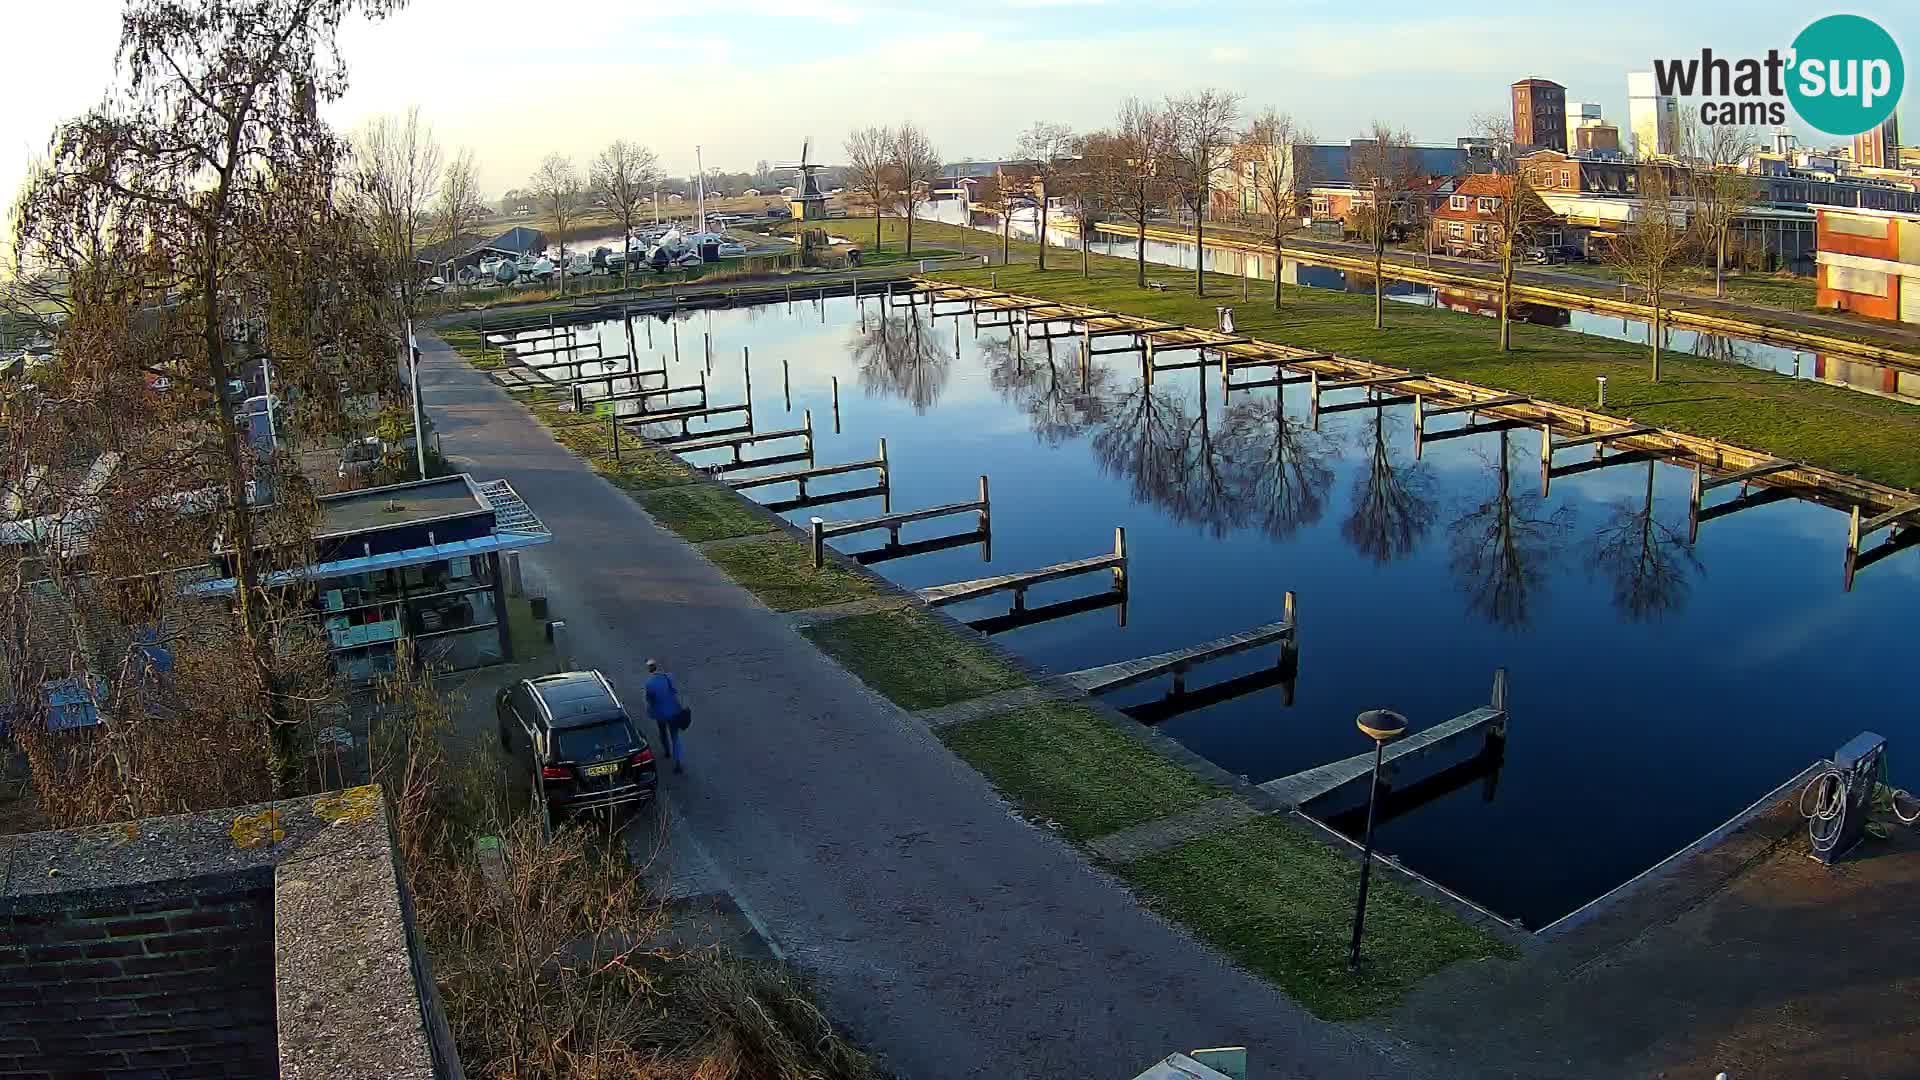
(897, 356)
(1393, 504)
(1060, 401)
(1502, 547)
(1649, 563)
(1282, 465)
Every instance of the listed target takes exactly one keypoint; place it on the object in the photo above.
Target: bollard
(557, 637)
(819, 529)
(1603, 390)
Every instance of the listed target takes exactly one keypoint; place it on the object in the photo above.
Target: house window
(1456, 230)
(1494, 231)
(1566, 178)
(1458, 202)
(1321, 207)
(1479, 234)
(1489, 204)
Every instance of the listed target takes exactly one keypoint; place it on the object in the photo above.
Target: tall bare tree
(396, 178)
(916, 165)
(870, 171)
(1139, 171)
(1653, 241)
(1281, 175)
(196, 176)
(459, 208)
(995, 193)
(1383, 168)
(623, 178)
(1204, 125)
(1097, 186)
(1519, 214)
(1718, 188)
(557, 187)
(1048, 151)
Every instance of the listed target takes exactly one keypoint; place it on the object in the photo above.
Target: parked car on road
(580, 748)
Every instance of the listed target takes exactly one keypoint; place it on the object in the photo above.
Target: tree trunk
(1653, 297)
(1720, 261)
(909, 226)
(1278, 263)
(1042, 219)
(1086, 256)
(1006, 236)
(1379, 283)
(1199, 254)
(876, 224)
(1506, 295)
(1140, 252)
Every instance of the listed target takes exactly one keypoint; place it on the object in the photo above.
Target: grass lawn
(1281, 903)
(703, 512)
(1840, 429)
(640, 468)
(1063, 762)
(913, 659)
(779, 570)
(466, 341)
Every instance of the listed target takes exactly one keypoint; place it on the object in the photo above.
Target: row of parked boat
(657, 249)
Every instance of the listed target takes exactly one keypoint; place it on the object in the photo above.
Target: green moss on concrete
(1281, 903)
(780, 571)
(914, 659)
(1065, 763)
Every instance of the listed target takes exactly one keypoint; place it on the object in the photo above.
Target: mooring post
(676, 341)
(985, 516)
(836, 404)
(819, 530)
(806, 423)
(1693, 504)
(886, 480)
(707, 340)
(786, 383)
(613, 421)
(1288, 612)
(1120, 552)
(1546, 458)
(746, 368)
(1853, 530)
(1498, 700)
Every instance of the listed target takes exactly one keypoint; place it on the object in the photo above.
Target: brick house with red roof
(1467, 220)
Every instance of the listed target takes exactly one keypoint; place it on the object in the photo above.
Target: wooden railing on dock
(737, 444)
(802, 477)
(1309, 784)
(981, 508)
(1107, 677)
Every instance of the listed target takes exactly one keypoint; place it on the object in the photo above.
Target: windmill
(810, 204)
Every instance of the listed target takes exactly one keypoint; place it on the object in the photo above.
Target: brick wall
(156, 988)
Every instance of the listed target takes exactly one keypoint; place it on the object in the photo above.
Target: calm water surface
(1657, 687)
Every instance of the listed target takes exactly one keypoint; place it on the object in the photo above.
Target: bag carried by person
(685, 720)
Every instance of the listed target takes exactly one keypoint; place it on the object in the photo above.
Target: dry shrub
(546, 949)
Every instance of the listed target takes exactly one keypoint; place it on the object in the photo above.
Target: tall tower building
(1878, 147)
(1653, 118)
(1540, 114)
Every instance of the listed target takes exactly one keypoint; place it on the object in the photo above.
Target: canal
(1658, 686)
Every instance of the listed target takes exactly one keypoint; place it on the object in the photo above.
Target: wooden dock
(738, 442)
(1019, 582)
(1108, 677)
(822, 530)
(1309, 784)
(802, 477)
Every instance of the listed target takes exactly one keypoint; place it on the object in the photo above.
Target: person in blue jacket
(670, 715)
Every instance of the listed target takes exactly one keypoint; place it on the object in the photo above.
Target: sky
(751, 79)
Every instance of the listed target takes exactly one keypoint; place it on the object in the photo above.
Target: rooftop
(398, 504)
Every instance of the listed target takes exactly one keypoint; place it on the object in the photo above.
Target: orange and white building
(1868, 262)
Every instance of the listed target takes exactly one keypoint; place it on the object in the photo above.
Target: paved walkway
(943, 932)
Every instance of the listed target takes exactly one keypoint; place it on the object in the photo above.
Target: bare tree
(1393, 503)
(396, 178)
(1138, 171)
(994, 194)
(1518, 215)
(193, 180)
(1720, 192)
(900, 357)
(1286, 463)
(624, 176)
(1649, 563)
(1049, 150)
(459, 207)
(1281, 176)
(1096, 186)
(1653, 240)
(870, 170)
(1203, 127)
(1383, 168)
(916, 165)
(557, 187)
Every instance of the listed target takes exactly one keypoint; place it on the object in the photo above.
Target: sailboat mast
(700, 189)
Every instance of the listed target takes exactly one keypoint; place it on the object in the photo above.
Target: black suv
(580, 747)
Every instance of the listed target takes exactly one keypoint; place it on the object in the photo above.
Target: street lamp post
(1382, 726)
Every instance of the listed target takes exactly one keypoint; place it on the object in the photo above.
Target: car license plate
(603, 770)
